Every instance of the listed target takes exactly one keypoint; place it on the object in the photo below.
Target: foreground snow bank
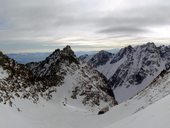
(52, 114)
(155, 116)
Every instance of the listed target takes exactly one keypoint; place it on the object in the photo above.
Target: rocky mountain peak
(83, 57)
(60, 55)
(62, 68)
(54, 55)
(104, 52)
(123, 52)
(165, 54)
(150, 47)
(68, 51)
(150, 44)
(127, 49)
(100, 58)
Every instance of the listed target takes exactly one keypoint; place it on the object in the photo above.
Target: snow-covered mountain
(73, 79)
(98, 59)
(130, 114)
(132, 69)
(60, 76)
(16, 81)
(61, 103)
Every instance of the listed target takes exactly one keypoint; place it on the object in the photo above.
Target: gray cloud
(136, 20)
(120, 30)
(36, 23)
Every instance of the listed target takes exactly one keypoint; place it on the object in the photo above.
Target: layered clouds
(43, 25)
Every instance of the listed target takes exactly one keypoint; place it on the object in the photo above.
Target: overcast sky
(44, 25)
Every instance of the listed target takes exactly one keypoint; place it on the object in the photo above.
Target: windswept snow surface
(50, 114)
(155, 116)
(134, 113)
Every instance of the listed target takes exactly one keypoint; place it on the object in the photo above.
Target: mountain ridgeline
(61, 76)
(131, 69)
(63, 88)
(62, 68)
(90, 81)
(17, 81)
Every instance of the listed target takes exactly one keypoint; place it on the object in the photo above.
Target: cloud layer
(43, 25)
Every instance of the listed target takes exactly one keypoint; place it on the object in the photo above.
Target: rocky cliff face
(17, 81)
(99, 59)
(134, 68)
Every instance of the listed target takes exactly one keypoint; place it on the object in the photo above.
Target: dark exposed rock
(103, 110)
(100, 58)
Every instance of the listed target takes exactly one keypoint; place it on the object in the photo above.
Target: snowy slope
(155, 116)
(130, 114)
(52, 114)
(150, 107)
(81, 88)
(156, 90)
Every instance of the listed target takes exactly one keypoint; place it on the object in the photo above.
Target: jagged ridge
(133, 68)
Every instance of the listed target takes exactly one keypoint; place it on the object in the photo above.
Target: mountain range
(131, 69)
(132, 86)
(60, 75)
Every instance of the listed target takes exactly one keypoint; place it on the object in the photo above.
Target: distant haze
(24, 58)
